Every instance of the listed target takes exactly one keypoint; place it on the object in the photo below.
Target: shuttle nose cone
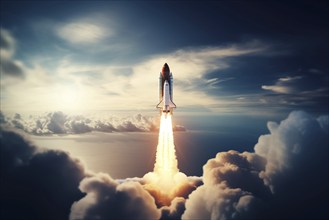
(165, 71)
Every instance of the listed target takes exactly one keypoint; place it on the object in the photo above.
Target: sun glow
(67, 97)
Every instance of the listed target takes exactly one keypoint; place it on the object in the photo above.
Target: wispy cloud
(289, 79)
(278, 88)
(84, 31)
(283, 85)
(9, 66)
(296, 91)
(215, 81)
(8, 44)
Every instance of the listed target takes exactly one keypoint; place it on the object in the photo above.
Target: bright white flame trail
(166, 162)
(166, 177)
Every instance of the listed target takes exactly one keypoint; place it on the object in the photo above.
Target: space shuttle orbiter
(166, 103)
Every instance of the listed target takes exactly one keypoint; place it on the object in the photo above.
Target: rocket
(166, 103)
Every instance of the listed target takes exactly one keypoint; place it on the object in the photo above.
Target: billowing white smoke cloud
(107, 199)
(231, 187)
(60, 123)
(286, 177)
(294, 144)
(175, 210)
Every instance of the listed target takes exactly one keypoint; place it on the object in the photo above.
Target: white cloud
(106, 199)
(278, 88)
(288, 78)
(284, 85)
(84, 31)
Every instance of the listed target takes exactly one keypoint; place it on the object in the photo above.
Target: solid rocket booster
(166, 103)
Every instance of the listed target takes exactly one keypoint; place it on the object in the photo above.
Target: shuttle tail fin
(158, 105)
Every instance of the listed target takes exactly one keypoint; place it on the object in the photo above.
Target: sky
(79, 129)
(226, 57)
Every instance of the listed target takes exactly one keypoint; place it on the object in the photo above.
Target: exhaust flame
(165, 177)
(166, 162)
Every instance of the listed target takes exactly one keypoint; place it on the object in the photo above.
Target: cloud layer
(60, 123)
(286, 177)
